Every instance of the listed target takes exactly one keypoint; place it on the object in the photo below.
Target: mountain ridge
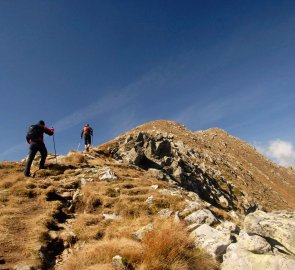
(115, 206)
(233, 158)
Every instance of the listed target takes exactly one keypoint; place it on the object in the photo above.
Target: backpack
(87, 130)
(35, 132)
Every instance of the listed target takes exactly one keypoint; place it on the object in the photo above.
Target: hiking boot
(27, 174)
(42, 168)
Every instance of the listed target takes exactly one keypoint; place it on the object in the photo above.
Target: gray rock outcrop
(167, 158)
(266, 243)
(279, 226)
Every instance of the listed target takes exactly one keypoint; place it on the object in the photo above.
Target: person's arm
(49, 131)
(82, 133)
(28, 139)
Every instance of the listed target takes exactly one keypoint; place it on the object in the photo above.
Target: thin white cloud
(13, 150)
(280, 151)
(112, 101)
(115, 102)
(204, 112)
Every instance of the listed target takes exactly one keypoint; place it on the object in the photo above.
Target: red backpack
(86, 130)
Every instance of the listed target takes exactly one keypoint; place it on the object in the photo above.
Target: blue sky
(118, 64)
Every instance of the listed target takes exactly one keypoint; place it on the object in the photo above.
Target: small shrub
(102, 253)
(22, 191)
(75, 158)
(6, 184)
(111, 192)
(89, 203)
(237, 192)
(4, 197)
(168, 246)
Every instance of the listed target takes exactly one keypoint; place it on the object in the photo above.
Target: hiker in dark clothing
(87, 131)
(35, 139)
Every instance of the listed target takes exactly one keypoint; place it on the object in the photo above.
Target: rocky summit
(157, 197)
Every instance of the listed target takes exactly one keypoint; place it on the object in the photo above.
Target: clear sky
(117, 64)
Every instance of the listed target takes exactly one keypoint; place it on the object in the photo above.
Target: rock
(223, 201)
(176, 217)
(24, 267)
(159, 137)
(194, 196)
(149, 149)
(170, 136)
(89, 156)
(69, 238)
(107, 174)
(163, 148)
(165, 212)
(154, 186)
(178, 172)
(171, 192)
(235, 215)
(53, 234)
(180, 146)
(237, 258)
(138, 235)
(156, 173)
(192, 227)
(228, 227)
(128, 139)
(254, 243)
(118, 263)
(150, 200)
(140, 137)
(190, 207)
(278, 225)
(66, 195)
(200, 217)
(111, 216)
(134, 157)
(213, 241)
(167, 161)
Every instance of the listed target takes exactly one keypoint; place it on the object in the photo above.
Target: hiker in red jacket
(87, 131)
(35, 139)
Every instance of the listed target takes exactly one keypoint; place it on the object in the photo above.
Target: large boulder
(267, 243)
(278, 225)
(239, 258)
(254, 243)
(200, 217)
(163, 148)
(212, 240)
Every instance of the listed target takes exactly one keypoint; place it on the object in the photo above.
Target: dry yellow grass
(75, 158)
(166, 247)
(169, 247)
(30, 207)
(25, 216)
(102, 253)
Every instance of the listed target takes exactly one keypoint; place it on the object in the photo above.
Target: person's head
(41, 123)
(87, 125)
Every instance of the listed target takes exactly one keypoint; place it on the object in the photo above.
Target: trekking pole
(79, 144)
(54, 149)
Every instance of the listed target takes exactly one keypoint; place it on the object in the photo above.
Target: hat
(41, 123)
(87, 125)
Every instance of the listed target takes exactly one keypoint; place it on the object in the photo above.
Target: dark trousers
(34, 148)
(87, 139)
